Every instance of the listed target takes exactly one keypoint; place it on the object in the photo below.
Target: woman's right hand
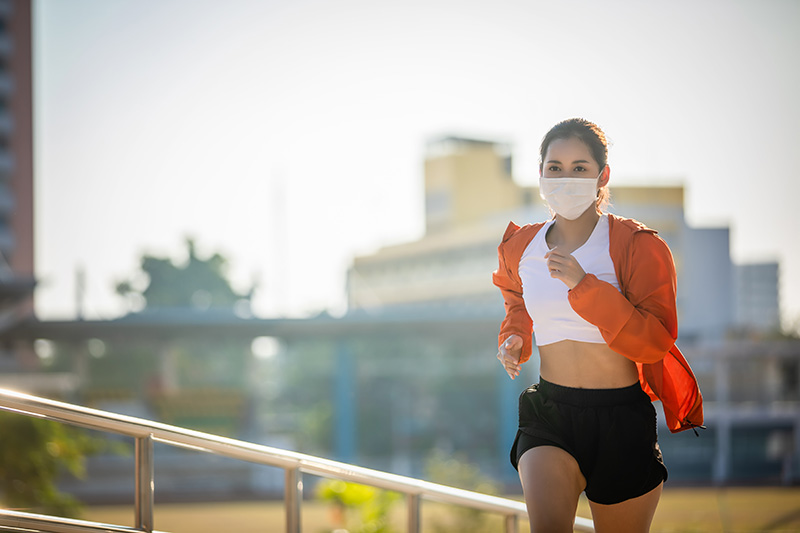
(509, 353)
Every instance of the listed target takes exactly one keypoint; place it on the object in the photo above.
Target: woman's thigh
(552, 483)
(630, 516)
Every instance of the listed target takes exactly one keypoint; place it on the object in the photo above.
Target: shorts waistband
(591, 397)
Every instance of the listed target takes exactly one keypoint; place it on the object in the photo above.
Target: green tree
(33, 453)
(363, 508)
(200, 284)
(210, 387)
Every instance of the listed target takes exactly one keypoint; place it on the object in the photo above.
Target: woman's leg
(552, 483)
(630, 516)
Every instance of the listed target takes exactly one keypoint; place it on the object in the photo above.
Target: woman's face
(569, 158)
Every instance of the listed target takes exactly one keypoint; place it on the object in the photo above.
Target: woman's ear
(604, 176)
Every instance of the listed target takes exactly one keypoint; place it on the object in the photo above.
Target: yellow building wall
(456, 187)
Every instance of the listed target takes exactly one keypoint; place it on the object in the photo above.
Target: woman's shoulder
(628, 225)
(516, 232)
(516, 240)
(628, 235)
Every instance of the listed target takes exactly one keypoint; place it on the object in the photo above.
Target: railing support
(293, 498)
(145, 472)
(512, 523)
(414, 513)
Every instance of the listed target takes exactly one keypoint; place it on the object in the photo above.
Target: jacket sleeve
(642, 324)
(517, 321)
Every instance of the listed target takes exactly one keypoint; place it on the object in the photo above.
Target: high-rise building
(16, 185)
(16, 161)
(757, 297)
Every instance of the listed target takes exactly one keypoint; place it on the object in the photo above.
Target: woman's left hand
(565, 267)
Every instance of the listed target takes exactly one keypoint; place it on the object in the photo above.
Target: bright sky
(289, 135)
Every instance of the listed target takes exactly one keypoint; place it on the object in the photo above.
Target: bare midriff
(586, 365)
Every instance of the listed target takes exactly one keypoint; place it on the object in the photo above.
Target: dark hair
(591, 135)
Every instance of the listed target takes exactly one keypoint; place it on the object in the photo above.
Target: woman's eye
(553, 168)
(580, 169)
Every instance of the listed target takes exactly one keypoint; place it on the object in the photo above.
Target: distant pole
(280, 243)
(80, 291)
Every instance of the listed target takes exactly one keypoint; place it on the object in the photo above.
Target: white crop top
(546, 298)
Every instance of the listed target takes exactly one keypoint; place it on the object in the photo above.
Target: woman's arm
(517, 321)
(506, 278)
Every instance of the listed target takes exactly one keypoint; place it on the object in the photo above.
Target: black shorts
(611, 433)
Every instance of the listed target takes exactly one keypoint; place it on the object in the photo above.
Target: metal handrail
(147, 432)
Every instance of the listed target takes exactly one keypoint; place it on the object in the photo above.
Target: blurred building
(16, 176)
(757, 296)
(470, 196)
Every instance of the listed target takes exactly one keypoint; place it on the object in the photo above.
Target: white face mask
(569, 197)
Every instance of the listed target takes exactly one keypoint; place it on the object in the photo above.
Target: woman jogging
(598, 293)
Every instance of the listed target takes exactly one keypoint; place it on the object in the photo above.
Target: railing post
(414, 513)
(145, 471)
(512, 523)
(293, 498)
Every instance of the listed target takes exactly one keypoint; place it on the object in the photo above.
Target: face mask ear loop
(598, 179)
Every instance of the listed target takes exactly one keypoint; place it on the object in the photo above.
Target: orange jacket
(639, 322)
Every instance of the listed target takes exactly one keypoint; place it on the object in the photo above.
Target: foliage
(199, 284)
(456, 471)
(370, 505)
(33, 453)
(213, 370)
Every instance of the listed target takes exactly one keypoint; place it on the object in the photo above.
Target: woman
(598, 291)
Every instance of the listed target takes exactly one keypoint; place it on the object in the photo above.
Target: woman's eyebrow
(556, 161)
